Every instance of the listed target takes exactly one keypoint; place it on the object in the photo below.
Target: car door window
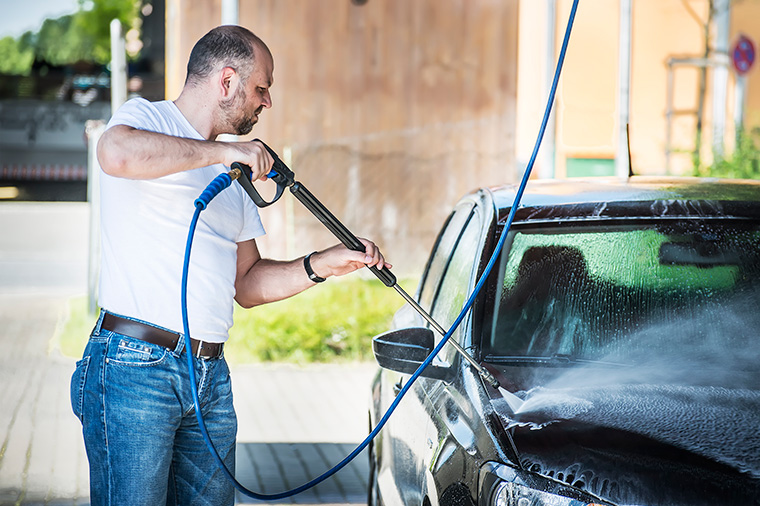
(439, 258)
(455, 284)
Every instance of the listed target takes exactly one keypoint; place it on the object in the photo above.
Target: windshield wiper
(555, 360)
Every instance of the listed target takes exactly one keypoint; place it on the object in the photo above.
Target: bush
(744, 162)
(75, 328)
(334, 321)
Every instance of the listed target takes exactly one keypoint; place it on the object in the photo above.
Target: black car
(623, 316)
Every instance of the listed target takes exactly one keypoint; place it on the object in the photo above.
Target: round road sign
(743, 54)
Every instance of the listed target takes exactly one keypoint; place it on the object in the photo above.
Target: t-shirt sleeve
(137, 113)
(252, 226)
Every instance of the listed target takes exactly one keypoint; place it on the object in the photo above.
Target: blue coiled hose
(224, 180)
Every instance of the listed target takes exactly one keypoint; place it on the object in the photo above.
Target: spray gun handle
(247, 185)
(280, 174)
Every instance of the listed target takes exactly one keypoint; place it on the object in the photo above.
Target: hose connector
(235, 173)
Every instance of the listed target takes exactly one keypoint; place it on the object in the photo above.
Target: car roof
(637, 196)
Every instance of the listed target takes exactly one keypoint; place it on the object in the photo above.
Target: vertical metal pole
(739, 94)
(546, 166)
(669, 117)
(93, 129)
(230, 12)
(624, 89)
(118, 66)
(720, 76)
(229, 17)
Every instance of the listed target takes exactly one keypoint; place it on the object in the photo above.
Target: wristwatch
(307, 266)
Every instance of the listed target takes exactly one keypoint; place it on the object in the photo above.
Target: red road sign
(743, 54)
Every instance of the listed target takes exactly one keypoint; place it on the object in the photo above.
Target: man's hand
(339, 260)
(253, 154)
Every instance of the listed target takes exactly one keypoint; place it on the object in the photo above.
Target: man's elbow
(112, 157)
(246, 302)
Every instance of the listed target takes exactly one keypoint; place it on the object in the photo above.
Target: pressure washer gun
(285, 178)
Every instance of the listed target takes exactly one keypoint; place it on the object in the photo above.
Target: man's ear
(228, 82)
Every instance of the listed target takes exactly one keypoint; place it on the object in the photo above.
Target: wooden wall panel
(391, 110)
(186, 22)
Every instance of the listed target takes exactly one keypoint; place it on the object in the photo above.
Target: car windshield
(605, 292)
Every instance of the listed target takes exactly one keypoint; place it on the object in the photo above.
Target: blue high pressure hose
(224, 180)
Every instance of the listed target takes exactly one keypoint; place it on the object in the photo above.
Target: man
(131, 389)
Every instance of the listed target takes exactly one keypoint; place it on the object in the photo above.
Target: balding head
(224, 46)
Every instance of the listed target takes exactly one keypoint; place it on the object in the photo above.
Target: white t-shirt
(144, 229)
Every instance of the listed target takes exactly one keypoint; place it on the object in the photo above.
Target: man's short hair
(224, 46)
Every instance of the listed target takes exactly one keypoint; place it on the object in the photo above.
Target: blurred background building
(390, 110)
(53, 80)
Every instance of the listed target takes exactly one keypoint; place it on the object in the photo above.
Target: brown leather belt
(160, 337)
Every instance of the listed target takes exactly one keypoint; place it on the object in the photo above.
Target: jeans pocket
(134, 352)
(77, 386)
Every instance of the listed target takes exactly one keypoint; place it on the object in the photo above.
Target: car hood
(643, 444)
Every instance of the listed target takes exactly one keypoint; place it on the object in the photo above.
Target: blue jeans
(140, 431)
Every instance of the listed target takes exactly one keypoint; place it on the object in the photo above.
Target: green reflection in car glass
(629, 258)
(584, 291)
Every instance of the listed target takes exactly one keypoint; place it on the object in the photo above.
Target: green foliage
(75, 328)
(329, 322)
(93, 24)
(82, 36)
(334, 321)
(15, 59)
(58, 42)
(744, 162)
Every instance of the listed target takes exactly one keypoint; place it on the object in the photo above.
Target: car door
(405, 445)
(453, 430)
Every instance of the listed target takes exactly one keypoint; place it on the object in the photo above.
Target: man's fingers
(372, 255)
(263, 161)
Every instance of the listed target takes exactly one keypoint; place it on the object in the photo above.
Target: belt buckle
(199, 349)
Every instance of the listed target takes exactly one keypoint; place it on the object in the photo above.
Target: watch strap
(309, 271)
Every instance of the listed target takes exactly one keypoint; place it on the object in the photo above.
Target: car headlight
(512, 494)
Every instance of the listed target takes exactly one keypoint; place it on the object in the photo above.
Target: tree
(93, 24)
(14, 58)
(82, 36)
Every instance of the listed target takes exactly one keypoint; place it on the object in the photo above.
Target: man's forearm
(270, 281)
(139, 154)
(260, 280)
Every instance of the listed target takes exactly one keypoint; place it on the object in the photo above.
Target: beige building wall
(587, 116)
(391, 110)
(388, 112)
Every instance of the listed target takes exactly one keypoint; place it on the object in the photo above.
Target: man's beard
(243, 124)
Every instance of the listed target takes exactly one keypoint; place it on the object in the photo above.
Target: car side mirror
(404, 351)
